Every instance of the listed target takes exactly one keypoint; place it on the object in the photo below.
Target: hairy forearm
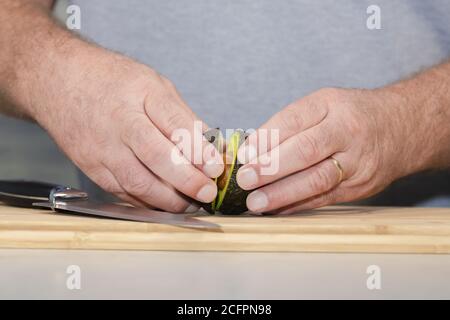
(425, 115)
(33, 47)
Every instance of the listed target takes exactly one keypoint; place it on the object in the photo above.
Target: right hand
(114, 118)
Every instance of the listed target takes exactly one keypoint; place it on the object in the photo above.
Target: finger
(106, 181)
(161, 157)
(181, 126)
(295, 118)
(297, 153)
(140, 183)
(332, 197)
(128, 199)
(300, 186)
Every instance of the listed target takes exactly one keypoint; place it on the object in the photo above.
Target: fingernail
(247, 178)
(257, 201)
(212, 168)
(247, 154)
(207, 194)
(192, 208)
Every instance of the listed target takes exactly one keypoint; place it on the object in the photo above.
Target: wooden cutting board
(334, 229)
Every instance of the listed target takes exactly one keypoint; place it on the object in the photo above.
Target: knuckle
(108, 185)
(158, 100)
(322, 200)
(162, 100)
(136, 185)
(366, 173)
(190, 181)
(278, 198)
(146, 144)
(330, 93)
(327, 99)
(131, 186)
(154, 156)
(175, 121)
(169, 84)
(133, 130)
(307, 148)
(320, 181)
(331, 198)
(138, 188)
(291, 119)
(355, 124)
(366, 176)
(165, 104)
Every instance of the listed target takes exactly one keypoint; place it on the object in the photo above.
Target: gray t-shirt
(238, 62)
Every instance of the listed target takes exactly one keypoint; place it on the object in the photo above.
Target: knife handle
(25, 193)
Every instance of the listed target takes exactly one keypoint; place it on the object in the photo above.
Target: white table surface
(41, 274)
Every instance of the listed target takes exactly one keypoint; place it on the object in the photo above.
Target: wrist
(397, 125)
(27, 30)
(42, 74)
(419, 117)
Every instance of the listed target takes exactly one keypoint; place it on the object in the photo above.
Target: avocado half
(231, 199)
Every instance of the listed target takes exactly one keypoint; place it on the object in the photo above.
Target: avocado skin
(215, 137)
(207, 207)
(235, 200)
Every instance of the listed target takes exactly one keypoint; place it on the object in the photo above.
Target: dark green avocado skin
(207, 207)
(235, 200)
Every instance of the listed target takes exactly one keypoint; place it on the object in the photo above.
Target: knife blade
(61, 199)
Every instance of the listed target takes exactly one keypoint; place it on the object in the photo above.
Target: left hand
(362, 132)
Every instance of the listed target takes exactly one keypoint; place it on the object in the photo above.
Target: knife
(28, 194)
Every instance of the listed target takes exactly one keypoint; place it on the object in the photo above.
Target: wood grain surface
(333, 229)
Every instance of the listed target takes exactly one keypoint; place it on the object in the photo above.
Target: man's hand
(375, 136)
(116, 120)
(113, 117)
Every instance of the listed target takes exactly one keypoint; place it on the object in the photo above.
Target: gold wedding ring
(339, 168)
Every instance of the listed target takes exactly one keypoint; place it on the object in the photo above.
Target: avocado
(231, 199)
